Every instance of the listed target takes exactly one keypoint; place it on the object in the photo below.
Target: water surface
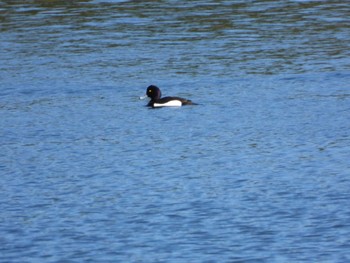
(258, 172)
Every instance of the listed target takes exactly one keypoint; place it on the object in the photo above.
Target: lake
(258, 171)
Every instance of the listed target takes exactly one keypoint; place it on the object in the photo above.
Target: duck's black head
(153, 92)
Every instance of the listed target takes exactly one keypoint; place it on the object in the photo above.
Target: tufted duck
(157, 101)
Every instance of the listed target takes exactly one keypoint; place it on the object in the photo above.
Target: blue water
(257, 172)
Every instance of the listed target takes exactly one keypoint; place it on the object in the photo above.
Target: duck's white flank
(172, 103)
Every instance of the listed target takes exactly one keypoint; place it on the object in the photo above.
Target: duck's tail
(189, 102)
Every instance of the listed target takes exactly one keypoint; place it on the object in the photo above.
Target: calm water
(258, 172)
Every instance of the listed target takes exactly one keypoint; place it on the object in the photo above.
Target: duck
(154, 93)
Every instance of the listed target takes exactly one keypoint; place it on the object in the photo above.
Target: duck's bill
(143, 97)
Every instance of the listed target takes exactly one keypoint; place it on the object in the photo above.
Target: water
(258, 172)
